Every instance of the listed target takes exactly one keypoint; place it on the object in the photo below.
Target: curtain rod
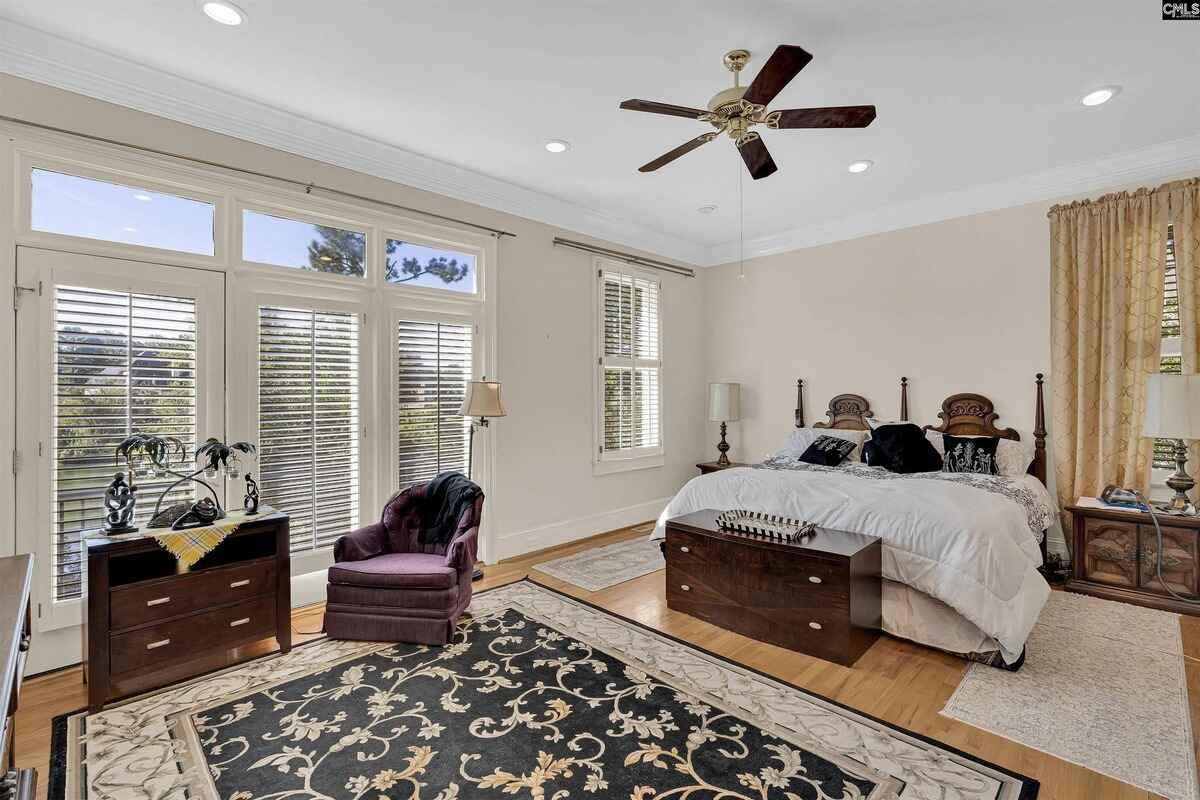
(307, 186)
(626, 257)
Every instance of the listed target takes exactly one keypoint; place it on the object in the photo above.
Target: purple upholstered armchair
(387, 586)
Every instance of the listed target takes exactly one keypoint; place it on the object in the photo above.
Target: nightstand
(1114, 554)
(712, 466)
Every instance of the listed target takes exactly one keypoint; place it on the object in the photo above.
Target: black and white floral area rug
(539, 696)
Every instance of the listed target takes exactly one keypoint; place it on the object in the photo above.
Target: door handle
(158, 601)
(237, 622)
(159, 643)
(242, 582)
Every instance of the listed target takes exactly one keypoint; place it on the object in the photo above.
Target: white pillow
(1012, 458)
(800, 438)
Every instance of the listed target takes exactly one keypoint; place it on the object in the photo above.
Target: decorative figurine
(119, 501)
(251, 501)
(203, 512)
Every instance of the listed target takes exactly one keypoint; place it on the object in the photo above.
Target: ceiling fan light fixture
(557, 145)
(223, 12)
(861, 165)
(1099, 97)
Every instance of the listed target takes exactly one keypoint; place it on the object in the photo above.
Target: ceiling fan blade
(758, 160)
(781, 67)
(833, 117)
(686, 147)
(652, 107)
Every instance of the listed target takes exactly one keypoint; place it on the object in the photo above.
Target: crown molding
(39, 56)
(1154, 163)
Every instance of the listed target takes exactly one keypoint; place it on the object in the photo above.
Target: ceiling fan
(737, 110)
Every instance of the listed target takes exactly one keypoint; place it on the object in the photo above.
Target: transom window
(419, 265)
(283, 242)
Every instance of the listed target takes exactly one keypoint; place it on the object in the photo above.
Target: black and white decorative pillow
(970, 454)
(828, 451)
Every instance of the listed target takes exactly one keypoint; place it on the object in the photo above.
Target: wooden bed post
(1038, 468)
(904, 399)
(800, 402)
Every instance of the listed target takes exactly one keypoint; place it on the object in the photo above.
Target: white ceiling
(969, 95)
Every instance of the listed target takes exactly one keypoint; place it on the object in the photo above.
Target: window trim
(614, 461)
(238, 238)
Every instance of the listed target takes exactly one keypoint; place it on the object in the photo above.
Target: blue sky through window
(450, 263)
(112, 212)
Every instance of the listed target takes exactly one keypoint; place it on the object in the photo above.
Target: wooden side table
(706, 467)
(1114, 555)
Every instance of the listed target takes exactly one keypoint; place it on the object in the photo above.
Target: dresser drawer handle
(158, 644)
(685, 587)
(158, 601)
(816, 626)
(237, 622)
(685, 549)
(239, 584)
(813, 579)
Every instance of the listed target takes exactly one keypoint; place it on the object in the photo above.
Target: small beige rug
(606, 566)
(1103, 686)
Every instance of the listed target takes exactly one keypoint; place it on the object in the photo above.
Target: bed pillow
(901, 447)
(975, 454)
(828, 451)
(1012, 458)
(800, 439)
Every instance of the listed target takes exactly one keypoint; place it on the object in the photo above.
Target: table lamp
(724, 405)
(481, 402)
(1173, 412)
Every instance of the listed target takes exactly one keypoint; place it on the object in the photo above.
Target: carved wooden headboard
(969, 414)
(847, 411)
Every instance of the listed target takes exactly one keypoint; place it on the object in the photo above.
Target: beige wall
(544, 491)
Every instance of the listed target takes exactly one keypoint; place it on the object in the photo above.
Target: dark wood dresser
(148, 625)
(1114, 554)
(706, 467)
(16, 580)
(822, 597)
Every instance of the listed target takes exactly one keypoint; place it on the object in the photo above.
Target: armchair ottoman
(387, 586)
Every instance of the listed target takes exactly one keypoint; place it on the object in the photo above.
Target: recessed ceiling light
(145, 198)
(558, 146)
(223, 12)
(1100, 96)
(860, 166)
(129, 229)
(708, 209)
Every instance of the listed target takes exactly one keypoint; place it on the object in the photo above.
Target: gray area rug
(1103, 686)
(606, 566)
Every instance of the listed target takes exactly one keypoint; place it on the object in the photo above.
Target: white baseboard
(309, 588)
(556, 533)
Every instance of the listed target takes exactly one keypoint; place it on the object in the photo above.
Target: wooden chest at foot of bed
(822, 597)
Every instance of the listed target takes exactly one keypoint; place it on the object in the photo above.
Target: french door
(105, 347)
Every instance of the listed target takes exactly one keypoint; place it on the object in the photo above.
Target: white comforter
(970, 548)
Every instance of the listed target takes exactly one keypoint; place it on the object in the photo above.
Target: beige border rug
(1103, 686)
(601, 567)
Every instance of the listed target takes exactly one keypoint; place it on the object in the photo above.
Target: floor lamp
(482, 401)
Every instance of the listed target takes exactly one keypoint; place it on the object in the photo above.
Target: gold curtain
(1185, 223)
(1106, 265)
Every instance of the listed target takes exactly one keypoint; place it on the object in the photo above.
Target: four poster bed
(960, 550)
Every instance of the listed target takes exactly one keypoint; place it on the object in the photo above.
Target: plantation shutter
(123, 363)
(433, 367)
(630, 364)
(1171, 362)
(308, 431)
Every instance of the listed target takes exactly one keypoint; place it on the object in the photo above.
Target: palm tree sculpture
(212, 456)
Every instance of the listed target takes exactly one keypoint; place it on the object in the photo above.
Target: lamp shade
(724, 402)
(1172, 406)
(482, 400)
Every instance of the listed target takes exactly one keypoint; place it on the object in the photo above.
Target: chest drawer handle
(237, 622)
(685, 587)
(685, 549)
(158, 601)
(158, 644)
(813, 579)
(816, 626)
(239, 584)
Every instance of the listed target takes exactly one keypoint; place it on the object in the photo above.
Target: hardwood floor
(897, 681)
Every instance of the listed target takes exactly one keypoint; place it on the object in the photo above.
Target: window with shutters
(1171, 361)
(308, 420)
(629, 368)
(433, 365)
(123, 362)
